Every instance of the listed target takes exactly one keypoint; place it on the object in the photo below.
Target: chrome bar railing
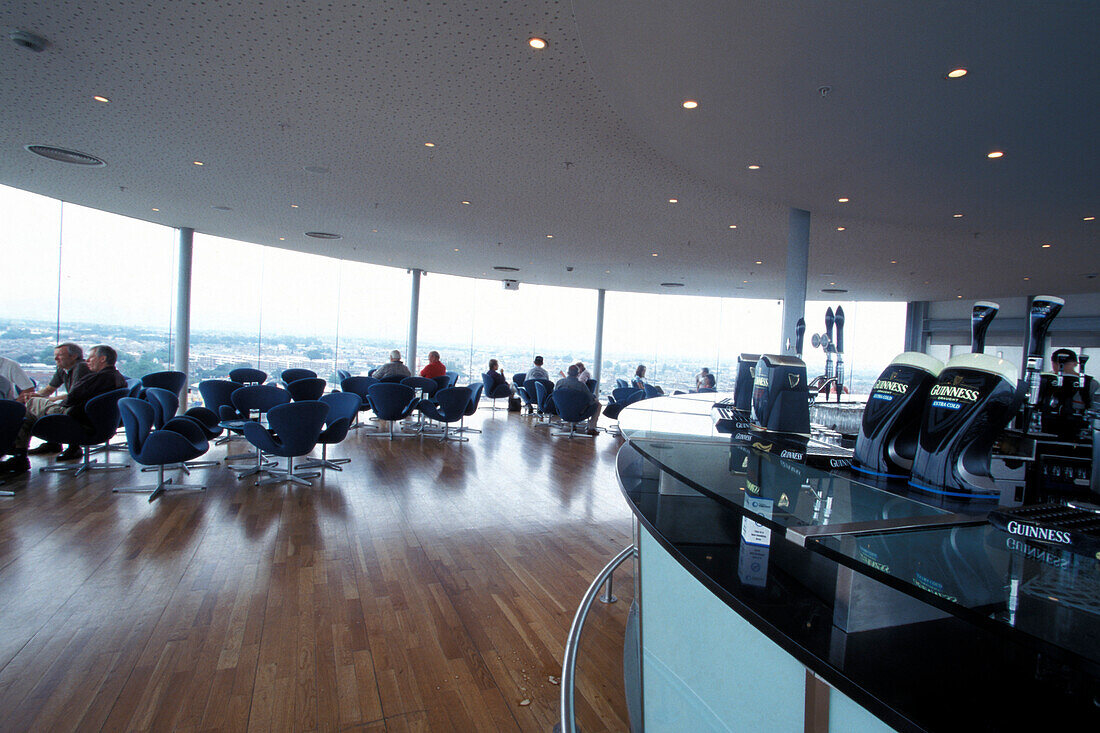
(569, 663)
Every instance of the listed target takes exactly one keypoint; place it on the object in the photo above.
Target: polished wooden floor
(426, 587)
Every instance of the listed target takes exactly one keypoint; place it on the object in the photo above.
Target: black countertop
(990, 633)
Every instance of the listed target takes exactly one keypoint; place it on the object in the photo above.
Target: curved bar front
(776, 597)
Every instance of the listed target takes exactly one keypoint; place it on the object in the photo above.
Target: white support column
(798, 262)
(597, 355)
(185, 242)
(414, 318)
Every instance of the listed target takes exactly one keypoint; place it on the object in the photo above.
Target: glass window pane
(374, 314)
(299, 311)
(226, 283)
(29, 240)
(676, 335)
(118, 286)
(874, 333)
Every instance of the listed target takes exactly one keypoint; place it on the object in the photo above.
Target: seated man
(704, 380)
(394, 367)
(434, 368)
(14, 379)
(537, 372)
(71, 368)
(570, 381)
(104, 377)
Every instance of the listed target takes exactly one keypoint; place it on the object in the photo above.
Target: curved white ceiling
(586, 140)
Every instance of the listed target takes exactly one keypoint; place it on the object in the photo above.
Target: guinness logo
(793, 380)
(958, 380)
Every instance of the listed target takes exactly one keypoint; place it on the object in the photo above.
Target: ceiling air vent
(62, 155)
(834, 290)
(505, 268)
(672, 285)
(324, 235)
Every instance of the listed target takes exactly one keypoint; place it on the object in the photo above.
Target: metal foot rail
(569, 663)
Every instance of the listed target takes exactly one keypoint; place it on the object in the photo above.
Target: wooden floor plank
(427, 587)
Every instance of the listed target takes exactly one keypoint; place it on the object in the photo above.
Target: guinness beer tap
(839, 352)
(980, 318)
(829, 350)
(1044, 308)
(799, 333)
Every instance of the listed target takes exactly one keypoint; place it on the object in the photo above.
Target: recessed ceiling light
(197, 162)
(840, 229)
(956, 73)
(893, 262)
(842, 200)
(465, 203)
(1027, 278)
(958, 296)
(294, 206)
(832, 283)
(64, 155)
(733, 226)
(957, 216)
(375, 231)
(674, 201)
(654, 254)
(99, 98)
(282, 239)
(1046, 246)
(760, 262)
(429, 145)
(744, 281)
(754, 167)
(456, 249)
(549, 236)
(607, 272)
(537, 43)
(1089, 218)
(690, 104)
(995, 154)
(155, 209)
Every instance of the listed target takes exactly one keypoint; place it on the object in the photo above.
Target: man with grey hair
(394, 368)
(571, 382)
(71, 368)
(104, 377)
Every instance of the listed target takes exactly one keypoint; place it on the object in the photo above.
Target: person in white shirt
(537, 372)
(14, 380)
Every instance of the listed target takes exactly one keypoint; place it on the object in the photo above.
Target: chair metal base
(161, 486)
(324, 461)
(452, 435)
(572, 433)
(88, 464)
(278, 477)
(185, 467)
(391, 434)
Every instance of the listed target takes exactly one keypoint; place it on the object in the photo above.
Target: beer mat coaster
(1073, 526)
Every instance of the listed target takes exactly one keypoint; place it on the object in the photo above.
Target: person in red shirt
(434, 368)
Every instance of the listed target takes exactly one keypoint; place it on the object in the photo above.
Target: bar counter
(773, 596)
